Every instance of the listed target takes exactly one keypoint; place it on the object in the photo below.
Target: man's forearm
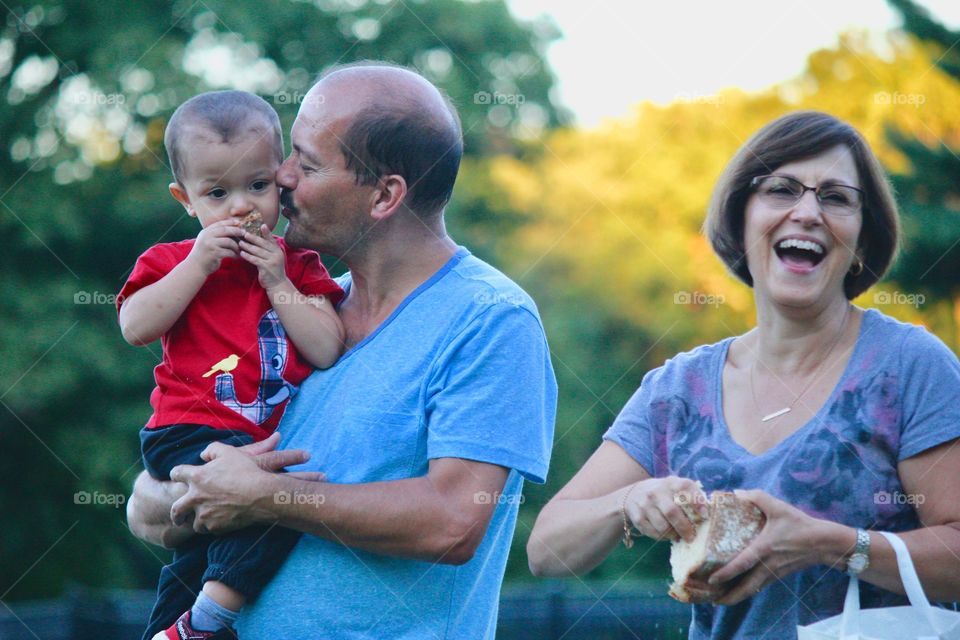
(148, 512)
(410, 518)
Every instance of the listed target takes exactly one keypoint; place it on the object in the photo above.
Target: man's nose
(286, 176)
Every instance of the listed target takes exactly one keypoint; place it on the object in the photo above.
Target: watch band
(860, 559)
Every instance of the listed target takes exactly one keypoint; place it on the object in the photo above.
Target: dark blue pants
(245, 560)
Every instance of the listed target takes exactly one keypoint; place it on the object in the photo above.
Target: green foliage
(930, 189)
(87, 87)
(602, 227)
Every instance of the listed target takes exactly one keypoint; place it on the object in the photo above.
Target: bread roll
(729, 527)
(251, 223)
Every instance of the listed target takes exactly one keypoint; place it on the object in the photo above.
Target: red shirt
(230, 333)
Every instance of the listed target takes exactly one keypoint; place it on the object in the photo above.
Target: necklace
(813, 378)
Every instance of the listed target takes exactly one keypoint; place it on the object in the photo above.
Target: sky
(617, 53)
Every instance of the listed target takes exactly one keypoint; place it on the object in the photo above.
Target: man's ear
(388, 195)
(180, 195)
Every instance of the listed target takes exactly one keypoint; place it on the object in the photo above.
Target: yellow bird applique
(226, 365)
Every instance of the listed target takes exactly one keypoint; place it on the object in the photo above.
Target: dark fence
(549, 609)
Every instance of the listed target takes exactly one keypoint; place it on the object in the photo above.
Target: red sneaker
(181, 630)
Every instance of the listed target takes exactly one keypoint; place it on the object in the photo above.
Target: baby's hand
(265, 253)
(214, 243)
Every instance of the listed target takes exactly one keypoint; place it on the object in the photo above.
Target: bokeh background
(595, 209)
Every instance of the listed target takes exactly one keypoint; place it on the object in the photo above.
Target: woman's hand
(788, 542)
(655, 506)
(232, 490)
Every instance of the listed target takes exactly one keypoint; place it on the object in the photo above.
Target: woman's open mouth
(800, 254)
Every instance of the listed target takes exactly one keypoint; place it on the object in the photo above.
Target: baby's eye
(260, 185)
(217, 193)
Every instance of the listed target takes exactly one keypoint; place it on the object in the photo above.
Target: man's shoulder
(481, 285)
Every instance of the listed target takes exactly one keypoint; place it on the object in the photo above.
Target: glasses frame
(755, 182)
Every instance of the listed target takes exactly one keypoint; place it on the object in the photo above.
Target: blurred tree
(612, 248)
(930, 189)
(85, 89)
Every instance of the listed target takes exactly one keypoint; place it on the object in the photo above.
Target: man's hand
(221, 494)
(148, 510)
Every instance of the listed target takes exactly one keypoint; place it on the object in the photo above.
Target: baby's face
(229, 180)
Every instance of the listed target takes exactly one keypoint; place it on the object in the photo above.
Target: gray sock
(207, 615)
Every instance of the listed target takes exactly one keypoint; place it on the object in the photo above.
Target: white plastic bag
(920, 621)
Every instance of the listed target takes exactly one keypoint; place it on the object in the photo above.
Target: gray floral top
(899, 396)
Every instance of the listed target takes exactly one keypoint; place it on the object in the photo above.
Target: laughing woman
(838, 422)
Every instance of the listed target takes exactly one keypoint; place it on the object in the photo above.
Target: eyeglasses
(782, 192)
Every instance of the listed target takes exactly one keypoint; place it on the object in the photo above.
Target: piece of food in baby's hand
(729, 527)
(251, 223)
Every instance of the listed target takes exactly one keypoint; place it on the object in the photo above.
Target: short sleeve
(310, 277)
(492, 394)
(155, 263)
(931, 393)
(632, 428)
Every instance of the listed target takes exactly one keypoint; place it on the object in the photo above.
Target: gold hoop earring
(857, 268)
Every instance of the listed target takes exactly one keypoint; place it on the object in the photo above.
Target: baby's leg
(224, 595)
(179, 583)
(239, 565)
(180, 589)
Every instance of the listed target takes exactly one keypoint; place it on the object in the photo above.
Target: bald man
(426, 428)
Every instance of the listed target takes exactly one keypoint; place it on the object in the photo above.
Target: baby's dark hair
(228, 114)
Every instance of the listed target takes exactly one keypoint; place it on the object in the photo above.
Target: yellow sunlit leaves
(618, 209)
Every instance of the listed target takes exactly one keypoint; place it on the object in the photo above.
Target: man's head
(224, 148)
(371, 141)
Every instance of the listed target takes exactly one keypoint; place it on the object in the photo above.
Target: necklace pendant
(775, 414)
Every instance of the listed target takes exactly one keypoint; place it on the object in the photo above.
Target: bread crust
(731, 525)
(251, 223)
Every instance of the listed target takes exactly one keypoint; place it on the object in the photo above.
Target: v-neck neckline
(454, 260)
(816, 419)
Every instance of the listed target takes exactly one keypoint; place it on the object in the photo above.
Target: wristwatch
(860, 559)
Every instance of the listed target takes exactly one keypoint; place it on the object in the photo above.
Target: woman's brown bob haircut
(800, 136)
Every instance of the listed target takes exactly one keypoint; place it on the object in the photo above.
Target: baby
(242, 319)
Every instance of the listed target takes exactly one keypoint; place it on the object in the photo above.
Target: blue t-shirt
(899, 396)
(461, 369)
